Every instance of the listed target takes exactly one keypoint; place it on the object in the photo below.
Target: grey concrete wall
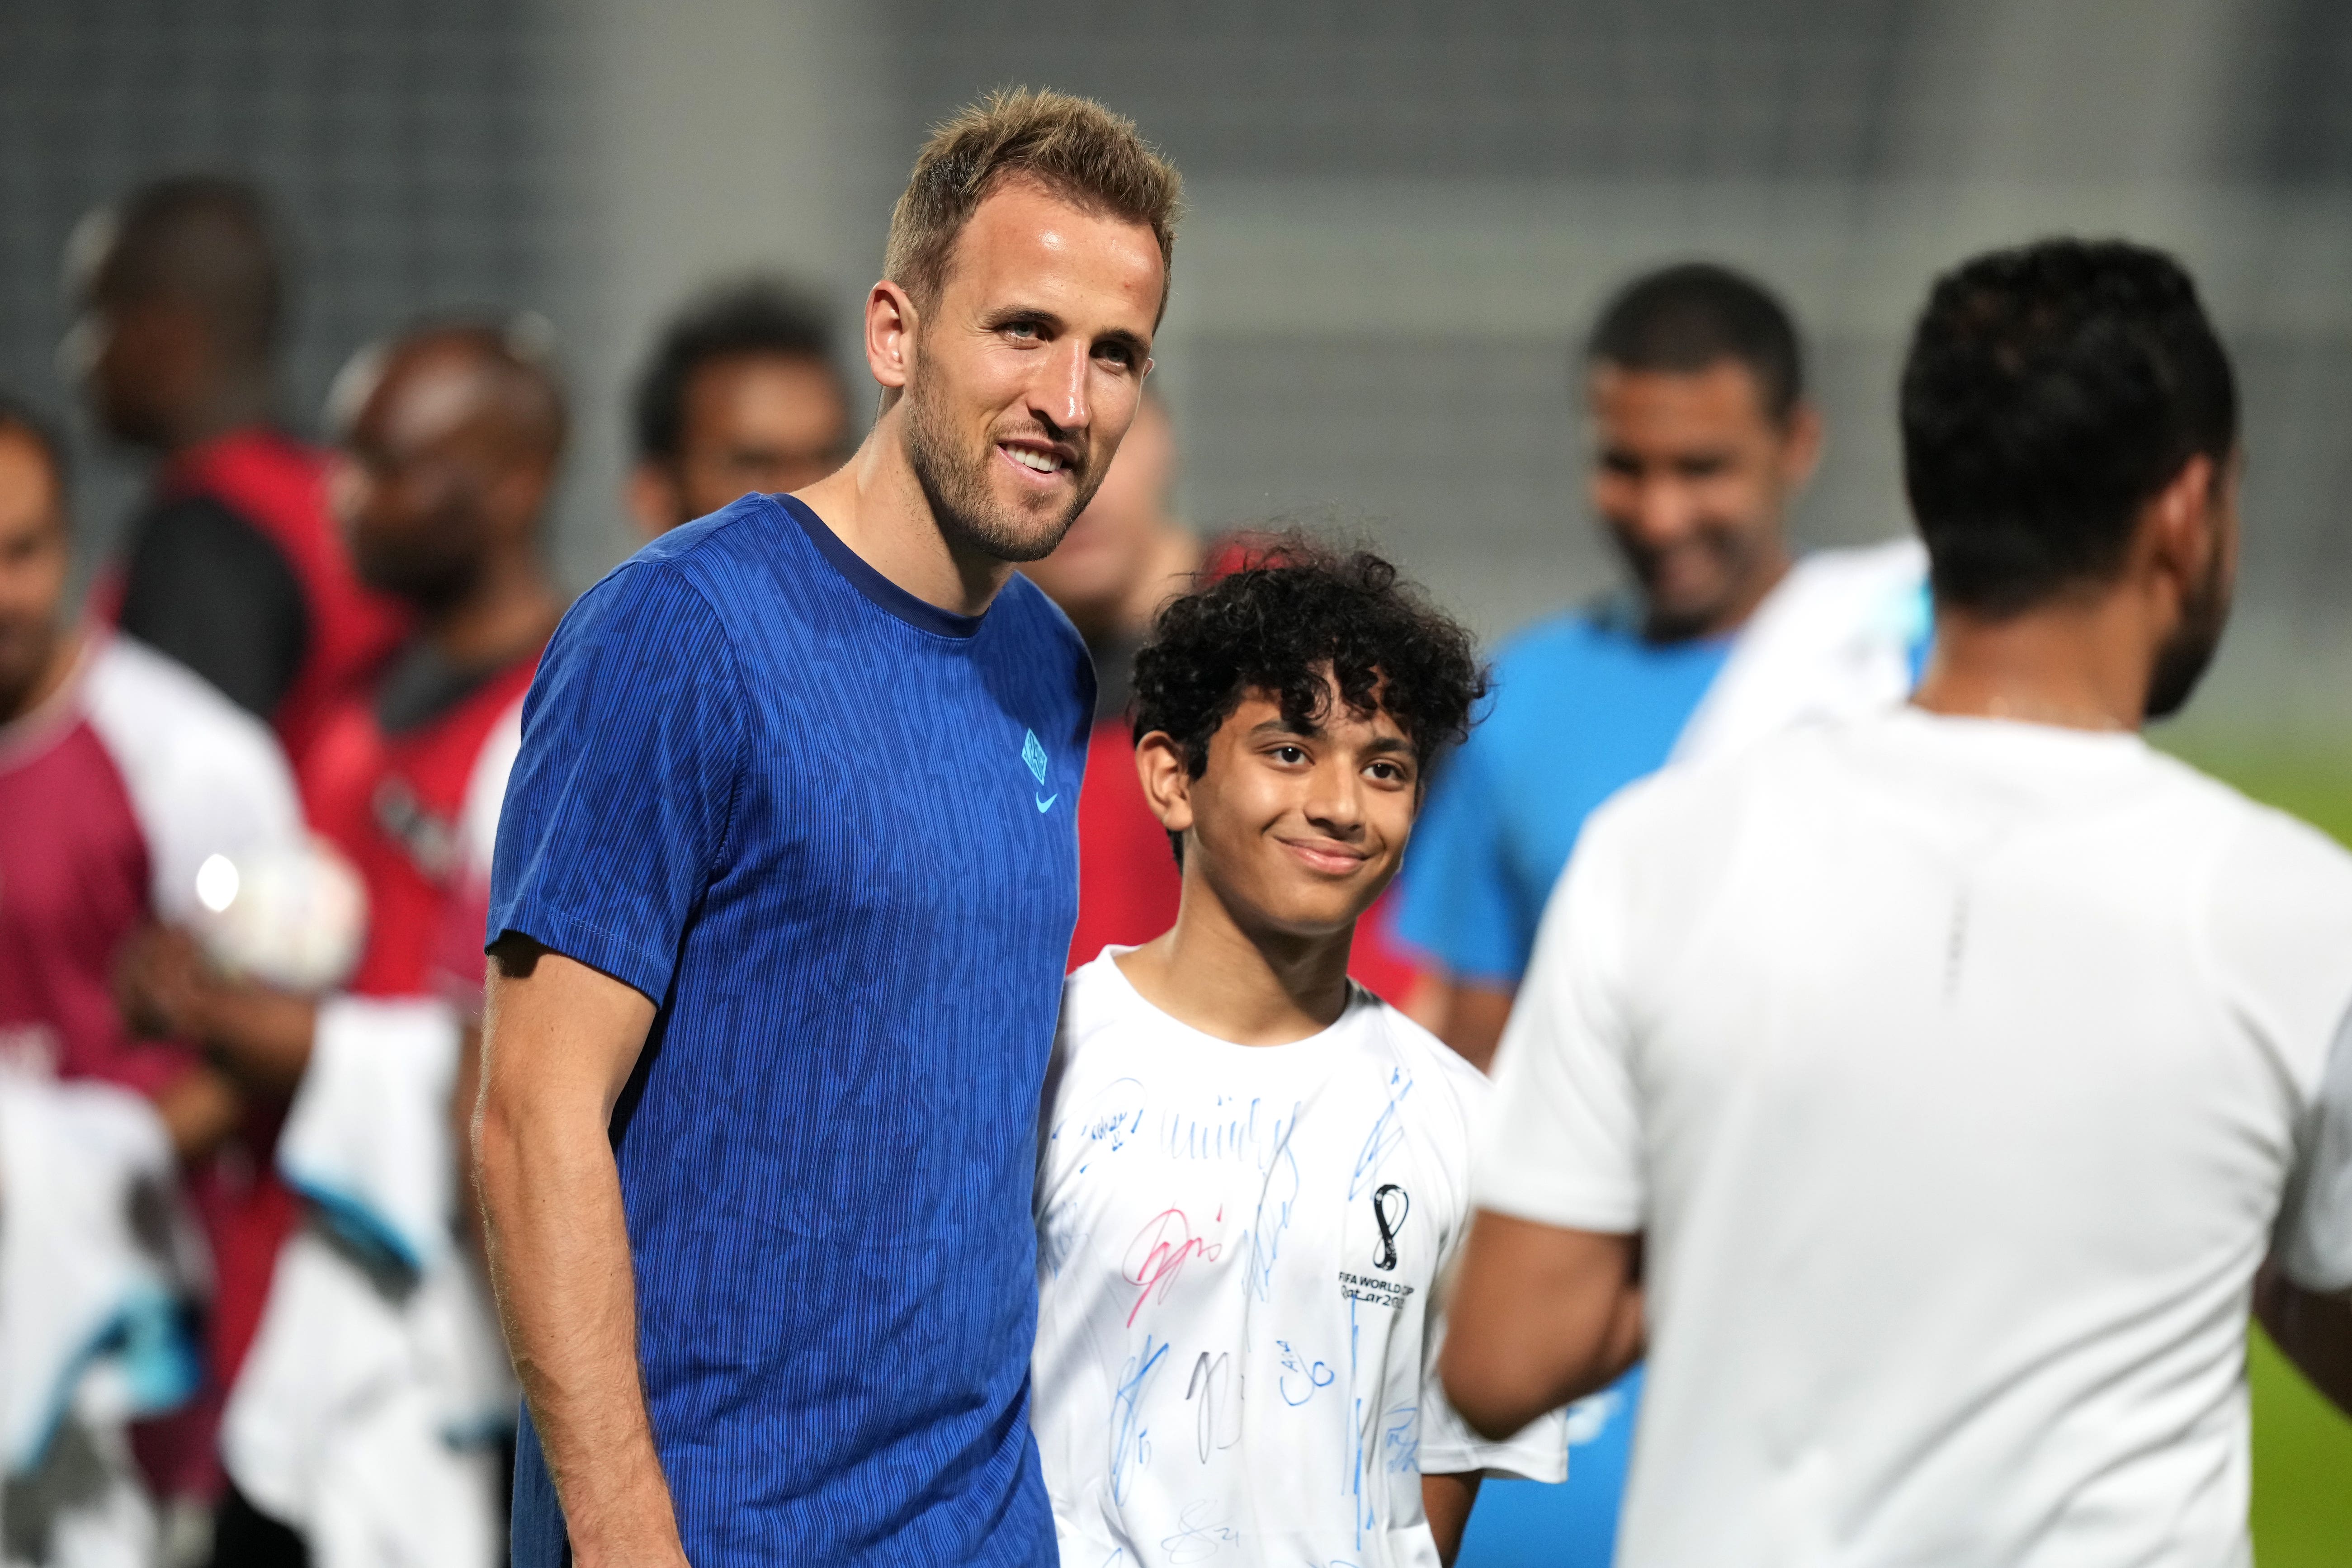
(1404, 212)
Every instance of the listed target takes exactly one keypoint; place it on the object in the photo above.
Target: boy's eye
(1288, 754)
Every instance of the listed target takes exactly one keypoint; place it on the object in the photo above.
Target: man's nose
(1063, 400)
(1336, 800)
(1662, 513)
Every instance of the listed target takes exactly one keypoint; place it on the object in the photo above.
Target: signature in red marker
(1158, 1253)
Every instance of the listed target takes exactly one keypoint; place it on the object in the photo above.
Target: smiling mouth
(1332, 860)
(1041, 461)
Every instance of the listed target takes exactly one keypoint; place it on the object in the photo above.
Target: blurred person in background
(742, 394)
(1701, 441)
(232, 567)
(335, 1436)
(782, 896)
(1952, 1080)
(1127, 555)
(121, 775)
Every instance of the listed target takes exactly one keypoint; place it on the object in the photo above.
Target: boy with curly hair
(1252, 1173)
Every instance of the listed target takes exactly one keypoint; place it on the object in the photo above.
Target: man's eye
(1288, 754)
(1026, 330)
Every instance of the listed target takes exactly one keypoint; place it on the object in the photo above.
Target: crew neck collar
(1310, 1046)
(879, 590)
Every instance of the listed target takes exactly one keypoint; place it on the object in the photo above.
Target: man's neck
(237, 406)
(1254, 989)
(1735, 613)
(2077, 665)
(512, 610)
(56, 667)
(877, 507)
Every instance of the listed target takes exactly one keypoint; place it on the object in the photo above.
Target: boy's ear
(1166, 780)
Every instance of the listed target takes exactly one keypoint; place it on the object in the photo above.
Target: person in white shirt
(1952, 1082)
(1253, 1175)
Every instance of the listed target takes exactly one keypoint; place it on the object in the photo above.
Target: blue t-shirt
(1582, 707)
(829, 829)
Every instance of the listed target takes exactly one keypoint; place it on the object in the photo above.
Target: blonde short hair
(1073, 147)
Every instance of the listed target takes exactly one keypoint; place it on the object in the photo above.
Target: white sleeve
(2313, 1242)
(205, 777)
(2282, 938)
(1565, 1143)
(1537, 1452)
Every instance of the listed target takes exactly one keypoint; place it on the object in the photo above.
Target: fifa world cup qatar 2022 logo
(1391, 1204)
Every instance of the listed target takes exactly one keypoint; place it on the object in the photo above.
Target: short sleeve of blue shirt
(618, 804)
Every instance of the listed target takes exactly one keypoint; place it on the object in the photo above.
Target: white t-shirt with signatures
(1239, 1250)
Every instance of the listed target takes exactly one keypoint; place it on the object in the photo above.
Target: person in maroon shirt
(120, 774)
(233, 566)
(447, 464)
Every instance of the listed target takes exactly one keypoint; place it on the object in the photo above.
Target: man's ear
(1800, 445)
(2180, 530)
(890, 322)
(1166, 780)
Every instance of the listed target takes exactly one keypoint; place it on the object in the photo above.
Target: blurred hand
(161, 978)
(167, 989)
(201, 1111)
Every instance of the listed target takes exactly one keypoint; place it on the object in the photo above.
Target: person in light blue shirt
(1703, 440)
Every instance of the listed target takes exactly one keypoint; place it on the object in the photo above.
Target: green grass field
(2302, 1447)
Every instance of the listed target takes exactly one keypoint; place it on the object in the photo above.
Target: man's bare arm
(559, 1042)
(1540, 1316)
(1467, 1015)
(1446, 1500)
(2314, 1329)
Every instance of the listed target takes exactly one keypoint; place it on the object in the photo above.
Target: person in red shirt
(233, 566)
(1127, 554)
(449, 461)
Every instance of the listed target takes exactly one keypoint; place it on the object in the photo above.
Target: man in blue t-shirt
(784, 887)
(1703, 438)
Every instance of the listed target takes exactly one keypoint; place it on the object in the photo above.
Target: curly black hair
(1290, 611)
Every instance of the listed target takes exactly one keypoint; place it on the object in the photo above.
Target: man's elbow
(497, 1138)
(1490, 1401)
(2313, 1328)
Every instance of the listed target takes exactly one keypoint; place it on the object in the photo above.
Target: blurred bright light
(216, 882)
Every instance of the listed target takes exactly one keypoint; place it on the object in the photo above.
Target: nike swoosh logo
(1047, 803)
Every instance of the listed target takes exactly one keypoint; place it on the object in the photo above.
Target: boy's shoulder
(1460, 1087)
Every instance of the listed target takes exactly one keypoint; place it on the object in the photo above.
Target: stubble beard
(955, 483)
